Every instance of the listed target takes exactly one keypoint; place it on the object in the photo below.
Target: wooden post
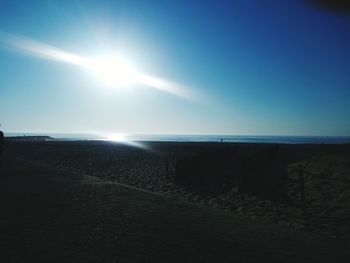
(167, 166)
(302, 189)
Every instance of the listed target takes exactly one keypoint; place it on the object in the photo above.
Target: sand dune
(49, 215)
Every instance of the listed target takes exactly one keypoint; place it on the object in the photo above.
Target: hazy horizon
(29, 133)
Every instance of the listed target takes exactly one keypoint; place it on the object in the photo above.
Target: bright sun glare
(125, 139)
(116, 137)
(113, 70)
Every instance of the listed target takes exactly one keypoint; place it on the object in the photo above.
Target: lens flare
(111, 69)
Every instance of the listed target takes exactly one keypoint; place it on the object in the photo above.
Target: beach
(53, 213)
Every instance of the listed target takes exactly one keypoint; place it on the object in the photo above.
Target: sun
(113, 70)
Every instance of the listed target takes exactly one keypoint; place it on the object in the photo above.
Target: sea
(194, 138)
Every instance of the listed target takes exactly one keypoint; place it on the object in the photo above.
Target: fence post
(302, 189)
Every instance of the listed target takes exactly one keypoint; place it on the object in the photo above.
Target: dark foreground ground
(257, 181)
(52, 215)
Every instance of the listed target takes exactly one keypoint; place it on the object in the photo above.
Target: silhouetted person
(2, 142)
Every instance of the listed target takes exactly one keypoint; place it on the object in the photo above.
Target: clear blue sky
(256, 67)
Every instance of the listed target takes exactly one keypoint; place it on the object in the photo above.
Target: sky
(246, 67)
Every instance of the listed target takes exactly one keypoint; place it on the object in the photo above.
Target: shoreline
(257, 139)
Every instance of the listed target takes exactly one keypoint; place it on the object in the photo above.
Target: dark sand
(53, 211)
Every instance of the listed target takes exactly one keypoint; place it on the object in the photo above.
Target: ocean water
(199, 138)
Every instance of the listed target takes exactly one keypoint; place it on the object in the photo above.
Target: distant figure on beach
(2, 142)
